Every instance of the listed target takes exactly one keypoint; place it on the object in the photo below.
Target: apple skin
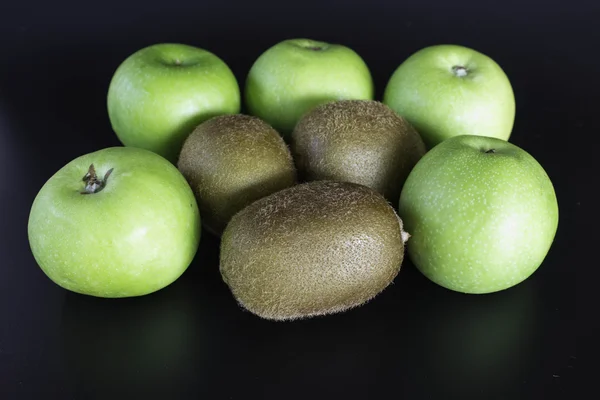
(440, 103)
(135, 236)
(479, 222)
(160, 93)
(295, 75)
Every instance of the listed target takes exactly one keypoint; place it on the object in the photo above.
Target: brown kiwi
(231, 161)
(312, 249)
(360, 141)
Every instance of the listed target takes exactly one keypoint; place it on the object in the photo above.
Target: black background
(190, 340)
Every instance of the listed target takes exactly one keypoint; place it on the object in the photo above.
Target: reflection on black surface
(447, 346)
(482, 344)
(144, 346)
(111, 345)
(191, 340)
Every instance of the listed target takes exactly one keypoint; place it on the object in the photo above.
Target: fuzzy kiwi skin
(313, 249)
(231, 161)
(360, 141)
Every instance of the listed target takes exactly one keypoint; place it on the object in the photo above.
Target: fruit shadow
(193, 338)
(150, 345)
(451, 338)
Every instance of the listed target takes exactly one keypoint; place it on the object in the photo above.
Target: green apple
(118, 222)
(295, 75)
(482, 214)
(160, 93)
(450, 90)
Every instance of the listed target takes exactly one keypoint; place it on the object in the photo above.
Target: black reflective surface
(190, 340)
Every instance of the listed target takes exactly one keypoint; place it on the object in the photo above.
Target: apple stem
(490, 151)
(93, 184)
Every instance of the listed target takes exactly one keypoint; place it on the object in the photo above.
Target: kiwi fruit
(232, 160)
(359, 141)
(313, 249)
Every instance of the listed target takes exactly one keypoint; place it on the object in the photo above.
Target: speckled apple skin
(480, 221)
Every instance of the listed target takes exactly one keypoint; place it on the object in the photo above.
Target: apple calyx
(93, 184)
(460, 71)
(490, 151)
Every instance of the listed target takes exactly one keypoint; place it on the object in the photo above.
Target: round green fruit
(231, 161)
(160, 93)
(450, 90)
(118, 222)
(295, 75)
(482, 213)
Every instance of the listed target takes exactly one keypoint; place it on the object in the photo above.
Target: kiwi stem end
(405, 236)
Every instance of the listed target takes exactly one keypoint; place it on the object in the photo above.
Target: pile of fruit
(318, 192)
